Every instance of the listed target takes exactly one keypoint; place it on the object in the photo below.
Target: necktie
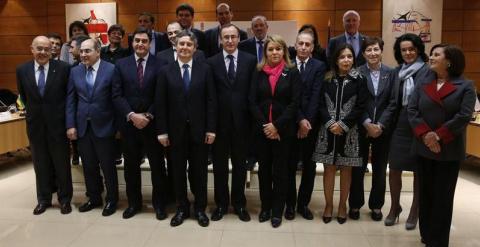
(140, 72)
(260, 51)
(41, 80)
(231, 68)
(90, 81)
(186, 76)
(302, 67)
(352, 42)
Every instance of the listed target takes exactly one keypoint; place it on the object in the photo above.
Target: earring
(448, 65)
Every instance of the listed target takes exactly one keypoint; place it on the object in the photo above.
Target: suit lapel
(149, 67)
(308, 69)
(431, 90)
(223, 69)
(98, 78)
(132, 66)
(31, 81)
(382, 80)
(50, 76)
(370, 83)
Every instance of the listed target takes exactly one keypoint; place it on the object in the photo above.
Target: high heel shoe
(341, 220)
(390, 221)
(411, 224)
(327, 219)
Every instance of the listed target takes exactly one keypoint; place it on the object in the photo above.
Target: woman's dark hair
(372, 41)
(78, 24)
(455, 55)
(417, 43)
(336, 54)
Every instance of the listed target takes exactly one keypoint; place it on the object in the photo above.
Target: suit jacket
(284, 102)
(200, 38)
(249, 46)
(447, 112)
(127, 94)
(176, 106)
(96, 107)
(167, 56)
(211, 38)
(341, 39)
(44, 115)
(233, 95)
(376, 104)
(390, 114)
(312, 79)
(161, 42)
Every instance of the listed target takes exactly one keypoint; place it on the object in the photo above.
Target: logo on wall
(412, 21)
(96, 16)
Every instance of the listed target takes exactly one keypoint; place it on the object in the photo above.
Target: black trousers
(99, 153)
(137, 143)
(302, 149)
(437, 180)
(379, 158)
(51, 162)
(234, 145)
(196, 154)
(273, 173)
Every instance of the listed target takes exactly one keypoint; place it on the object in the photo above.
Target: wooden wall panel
(471, 20)
(453, 4)
(10, 62)
(471, 40)
(451, 20)
(317, 18)
(245, 5)
(135, 7)
(56, 7)
(472, 62)
(57, 24)
(15, 45)
(23, 25)
(9, 81)
(312, 5)
(475, 77)
(452, 37)
(358, 5)
(471, 4)
(248, 15)
(169, 6)
(23, 8)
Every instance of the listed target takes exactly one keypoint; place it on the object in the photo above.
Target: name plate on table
(5, 116)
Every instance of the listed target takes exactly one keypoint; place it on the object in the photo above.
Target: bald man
(42, 85)
(351, 24)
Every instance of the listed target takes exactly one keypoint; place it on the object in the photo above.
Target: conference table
(13, 134)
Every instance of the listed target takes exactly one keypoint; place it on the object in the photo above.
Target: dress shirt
(37, 71)
(299, 63)
(227, 60)
(144, 62)
(354, 40)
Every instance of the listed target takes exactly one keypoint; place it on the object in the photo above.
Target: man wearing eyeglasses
(90, 119)
(42, 85)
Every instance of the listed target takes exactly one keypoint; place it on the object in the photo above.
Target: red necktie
(140, 72)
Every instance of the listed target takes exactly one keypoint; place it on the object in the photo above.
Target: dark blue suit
(129, 96)
(186, 115)
(92, 114)
(249, 46)
(233, 127)
(302, 149)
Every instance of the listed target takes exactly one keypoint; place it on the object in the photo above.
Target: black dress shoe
(40, 208)
(327, 219)
(109, 209)
(376, 216)
(305, 212)
(179, 217)
(88, 206)
(341, 220)
(289, 213)
(160, 214)
(242, 214)
(65, 208)
(264, 216)
(276, 222)
(202, 219)
(130, 212)
(218, 213)
(354, 214)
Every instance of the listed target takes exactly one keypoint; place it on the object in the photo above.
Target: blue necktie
(260, 51)
(90, 81)
(41, 80)
(231, 68)
(302, 67)
(186, 76)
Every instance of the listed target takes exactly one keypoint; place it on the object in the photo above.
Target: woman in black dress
(410, 54)
(274, 100)
(342, 102)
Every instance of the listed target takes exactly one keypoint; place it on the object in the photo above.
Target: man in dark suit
(186, 120)
(312, 72)
(90, 118)
(212, 35)
(133, 93)
(232, 71)
(380, 80)
(254, 45)
(185, 14)
(351, 23)
(170, 55)
(159, 40)
(42, 85)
